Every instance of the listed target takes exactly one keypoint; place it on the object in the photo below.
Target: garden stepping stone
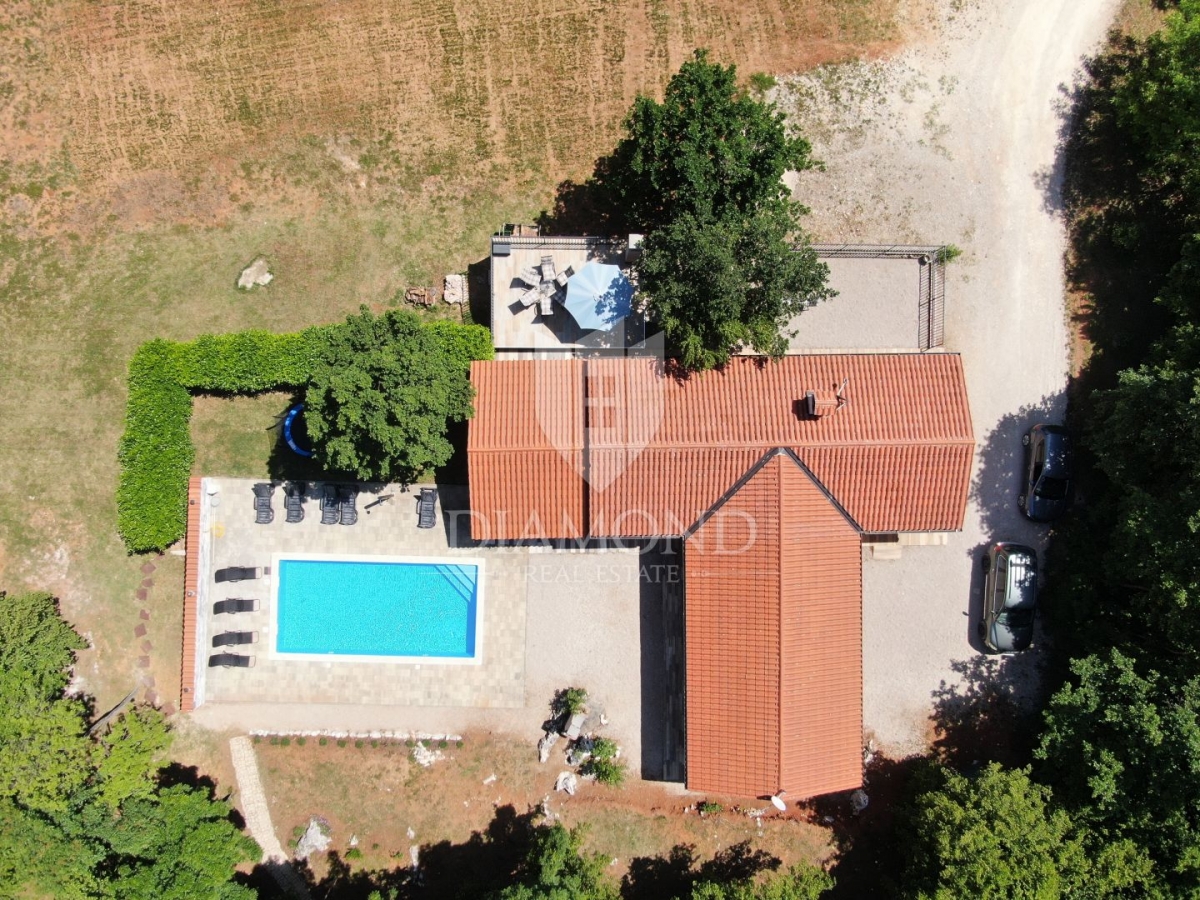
(140, 631)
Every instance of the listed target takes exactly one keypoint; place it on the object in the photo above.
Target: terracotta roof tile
(773, 640)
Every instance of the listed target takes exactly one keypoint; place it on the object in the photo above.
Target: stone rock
(574, 726)
(491, 779)
(315, 839)
(549, 739)
(567, 781)
(255, 274)
(353, 842)
(423, 756)
(859, 801)
(455, 290)
(417, 296)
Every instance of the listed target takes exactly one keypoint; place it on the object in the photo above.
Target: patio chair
(349, 512)
(547, 268)
(330, 510)
(233, 574)
(235, 605)
(230, 661)
(263, 513)
(234, 638)
(561, 278)
(546, 304)
(293, 502)
(529, 277)
(427, 508)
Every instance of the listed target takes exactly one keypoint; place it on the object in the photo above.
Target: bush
(568, 701)
(374, 744)
(709, 807)
(256, 738)
(442, 745)
(341, 742)
(155, 452)
(286, 742)
(458, 744)
(353, 853)
(248, 362)
(606, 771)
(323, 741)
(301, 741)
(358, 744)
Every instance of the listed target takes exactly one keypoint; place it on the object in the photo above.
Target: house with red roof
(773, 473)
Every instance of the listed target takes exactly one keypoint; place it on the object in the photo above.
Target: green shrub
(442, 745)
(762, 82)
(301, 741)
(568, 701)
(323, 741)
(286, 742)
(155, 452)
(359, 744)
(247, 362)
(458, 744)
(604, 748)
(256, 738)
(353, 853)
(374, 743)
(274, 740)
(709, 807)
(607, 771)
(341, 742)
(408, 743)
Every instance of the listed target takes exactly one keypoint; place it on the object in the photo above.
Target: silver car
(1010, 590)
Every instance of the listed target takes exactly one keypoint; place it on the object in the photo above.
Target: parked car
(1047, 493)
(1010, 590)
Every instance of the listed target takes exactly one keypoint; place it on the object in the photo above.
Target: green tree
(716, 285)
(557, 869)
(382, 394)
(708, 149)
(1122, 749)
(991, 837)
(801, 882)
(725, 263)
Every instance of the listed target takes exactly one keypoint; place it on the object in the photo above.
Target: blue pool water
(377, 608)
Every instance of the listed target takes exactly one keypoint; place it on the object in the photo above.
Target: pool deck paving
(551, 619)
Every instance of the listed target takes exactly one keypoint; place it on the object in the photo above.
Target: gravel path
(258, 818)
(955, 141)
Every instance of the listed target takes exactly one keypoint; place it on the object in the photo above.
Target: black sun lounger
(348, 509)
(237, 573)
(234, 638)
(293, 502)
(235, 605)
(230, 661)
(427, 508)
(330, 509)
(263, 513)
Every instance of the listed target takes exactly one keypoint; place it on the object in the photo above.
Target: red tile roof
(774, 640)
(191, 580)
(658, 450)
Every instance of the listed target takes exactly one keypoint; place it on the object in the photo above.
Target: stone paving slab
(387, 530)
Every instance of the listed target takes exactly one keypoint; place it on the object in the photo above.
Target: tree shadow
(869, 860)
(585, 208)
(676, 873)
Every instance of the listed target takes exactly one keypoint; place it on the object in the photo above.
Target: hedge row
(156, 452)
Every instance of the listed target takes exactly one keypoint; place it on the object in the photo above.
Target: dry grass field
(150, 149)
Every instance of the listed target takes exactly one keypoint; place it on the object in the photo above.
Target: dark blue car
(1047, 493)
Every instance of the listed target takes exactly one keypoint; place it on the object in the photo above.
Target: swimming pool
(377, 608)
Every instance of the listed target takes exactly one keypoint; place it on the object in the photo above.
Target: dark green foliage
(155, 452)
(556, 869)
(568, 701)
(701, 172)
(991, 837)
(1123, 752)
(248, 362)
(798, 883)
(716, 285)
(708, 150)
(83, 815)
(382, 393)
(604, 764)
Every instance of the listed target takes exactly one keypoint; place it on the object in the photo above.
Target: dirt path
(955, 142)
(258, 818)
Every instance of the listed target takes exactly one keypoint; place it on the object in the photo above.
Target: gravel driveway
(955, 142)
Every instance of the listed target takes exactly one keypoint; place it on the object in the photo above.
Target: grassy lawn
(148, 152)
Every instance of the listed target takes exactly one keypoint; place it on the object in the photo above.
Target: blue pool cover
(377, 608)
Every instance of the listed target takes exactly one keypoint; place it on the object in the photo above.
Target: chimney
(820, 403)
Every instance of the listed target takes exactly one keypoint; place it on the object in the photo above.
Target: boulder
(254, 274)
(549, 739)
(315, 839)
(423, 756)
(455, 290)
(567, 781)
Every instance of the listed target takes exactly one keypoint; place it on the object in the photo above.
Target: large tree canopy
(709, 149)
(701, 172)
(383, 392)
(82, 815)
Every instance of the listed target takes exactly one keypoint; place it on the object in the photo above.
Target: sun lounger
(263, 513)
(561, 278)
(235, 605)
(427, 508)
(330, 510)
(546, 304)
(234, 638)
(349, 512)
(547, 268)
(293, 502)
(230, 661)
(238, 573)
(530, 297)
(529, 276)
